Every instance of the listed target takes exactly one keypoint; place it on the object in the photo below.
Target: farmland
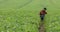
(23, 15)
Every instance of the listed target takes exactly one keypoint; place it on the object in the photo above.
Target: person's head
(45, 8)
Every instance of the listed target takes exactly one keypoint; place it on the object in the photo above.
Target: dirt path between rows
(42, 27)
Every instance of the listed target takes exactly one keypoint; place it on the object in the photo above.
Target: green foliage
(23, 15)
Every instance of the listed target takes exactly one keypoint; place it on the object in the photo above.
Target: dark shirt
(43, 12)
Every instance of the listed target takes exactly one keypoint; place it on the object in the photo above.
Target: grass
(23, 15)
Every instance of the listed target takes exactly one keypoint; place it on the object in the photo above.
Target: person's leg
(42, 17)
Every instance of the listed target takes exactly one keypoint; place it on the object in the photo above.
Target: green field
(23, 15)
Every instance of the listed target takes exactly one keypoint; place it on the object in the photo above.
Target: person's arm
(45, 12)
(41, 12)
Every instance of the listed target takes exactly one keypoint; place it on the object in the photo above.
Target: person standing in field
(43, 13)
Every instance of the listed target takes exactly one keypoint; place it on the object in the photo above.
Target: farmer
(42, 13)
